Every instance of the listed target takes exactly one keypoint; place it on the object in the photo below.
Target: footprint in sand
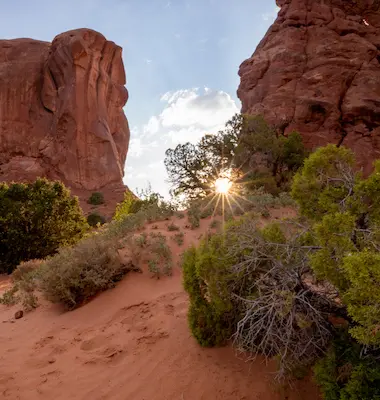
(94, 343)
(43, 342)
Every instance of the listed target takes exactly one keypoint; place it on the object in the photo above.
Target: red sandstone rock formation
(317, 71)
(61, 110)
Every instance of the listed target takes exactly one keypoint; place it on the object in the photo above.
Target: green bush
(160, 255)
(94, 219)
(179, 238)
(343, 212)
(96, 199)
(325, 182)
(24, 285)
(173, 227)
(133, 204)
(194, 215)
(345, 374)
(76, 274)
(208, 324)
(130, 205)
(249, 282)
(35, 220)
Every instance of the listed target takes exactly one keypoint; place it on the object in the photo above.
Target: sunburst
(222, 185)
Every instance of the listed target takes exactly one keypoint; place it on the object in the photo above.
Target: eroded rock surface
(317, 71)
(61, 110)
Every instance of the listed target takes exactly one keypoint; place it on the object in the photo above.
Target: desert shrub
(194, 215)
(344, 373)
(24, 270)
(325, 182)
(152, 249)
(94, 219)
(249, 283)
(9, 297)
(268, 184)
(180, 215)
(208, 324)
(158, 212)
(215, 224)
(173, 227)
(285, 200)
(179, 238)
(343, 210)
(35, 220)
(24, 285)
(128, 223)
(96, 199)
(142, 240)
(25, 279)
(259, 201)
(76, 274)
(206, 211)
(118, 229)
(146, 200)
(160, 256)
(130, 205)
(363, 295)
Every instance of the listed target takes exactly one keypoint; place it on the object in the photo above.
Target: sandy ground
(129, 343)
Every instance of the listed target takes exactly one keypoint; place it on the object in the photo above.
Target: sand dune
(129, 343)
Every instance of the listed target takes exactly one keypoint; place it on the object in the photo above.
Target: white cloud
(187, 108)
(186, 116)
(138, 146)
(152, 126)
(271, 16)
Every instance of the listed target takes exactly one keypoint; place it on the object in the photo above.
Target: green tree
(325, 182)
(35, 220)
(250, 149)
(344, 212)
(193, 168)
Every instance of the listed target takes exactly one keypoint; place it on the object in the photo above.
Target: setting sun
(223, 185)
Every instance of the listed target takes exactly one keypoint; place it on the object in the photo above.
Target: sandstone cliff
(61, 110)
(317, 71)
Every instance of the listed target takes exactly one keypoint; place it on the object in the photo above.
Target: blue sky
(181, 59)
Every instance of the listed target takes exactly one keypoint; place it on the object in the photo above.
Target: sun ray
(216, 205)
(214, 195)
(229, 204)
(237, 203)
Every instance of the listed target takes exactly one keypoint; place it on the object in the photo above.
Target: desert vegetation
(71, 275)
(95, 219)
(274, 290)
(251, 151)
(96, 199)
(35, 220)
(303, 290)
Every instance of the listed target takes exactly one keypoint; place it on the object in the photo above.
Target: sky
(181, 59)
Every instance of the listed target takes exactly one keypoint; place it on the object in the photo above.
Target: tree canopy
(35, 219)
(249, 149)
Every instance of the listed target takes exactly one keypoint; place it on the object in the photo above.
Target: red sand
(129, 343)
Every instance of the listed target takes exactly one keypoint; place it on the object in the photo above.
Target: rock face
(317, 71)
(61, 110)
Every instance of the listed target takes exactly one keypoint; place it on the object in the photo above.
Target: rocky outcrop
(317, 71)
(61, 110)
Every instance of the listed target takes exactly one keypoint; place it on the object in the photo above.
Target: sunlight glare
(223, 185)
